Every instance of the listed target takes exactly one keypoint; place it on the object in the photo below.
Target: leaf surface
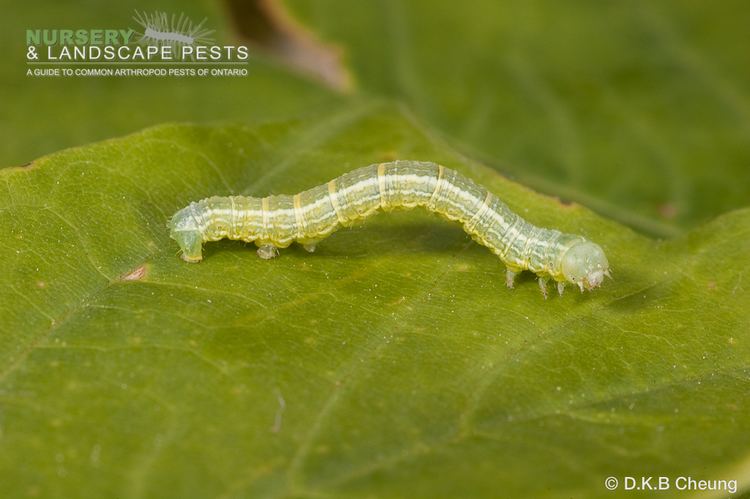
(393, 362)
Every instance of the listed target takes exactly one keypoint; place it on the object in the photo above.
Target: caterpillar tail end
(191, 259)
(191, 246)
(184, 230)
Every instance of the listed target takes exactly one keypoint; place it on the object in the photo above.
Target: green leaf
(393, 362)
(638, 109)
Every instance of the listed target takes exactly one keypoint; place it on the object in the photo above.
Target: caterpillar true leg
(277, 221)
(310, 247)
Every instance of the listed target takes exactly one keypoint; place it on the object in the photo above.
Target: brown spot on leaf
(24, 167)
(564, 202)
(136, 274)
(269, 26)
(667, 211)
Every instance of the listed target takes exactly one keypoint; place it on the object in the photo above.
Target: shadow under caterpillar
(276, 221)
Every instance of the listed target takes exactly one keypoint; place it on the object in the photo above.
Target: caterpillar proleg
(276, 221)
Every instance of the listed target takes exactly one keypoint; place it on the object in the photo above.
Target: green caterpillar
(276, 221)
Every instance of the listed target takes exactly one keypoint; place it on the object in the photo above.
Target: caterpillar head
(184, 229)
(585, 265)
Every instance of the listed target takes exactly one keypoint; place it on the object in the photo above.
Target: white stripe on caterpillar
(381, 183)
(277, 221)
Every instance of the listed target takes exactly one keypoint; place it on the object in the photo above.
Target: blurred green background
(640, 109)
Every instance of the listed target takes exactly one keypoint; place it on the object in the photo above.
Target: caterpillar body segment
(277, 221)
